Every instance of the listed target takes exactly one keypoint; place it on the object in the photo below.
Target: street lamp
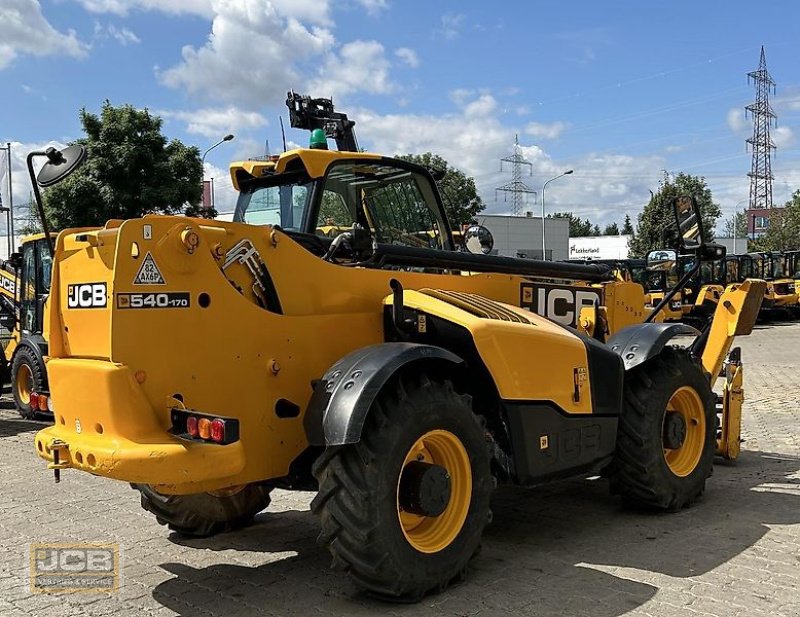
(735, 212)
(544, 186)
(227, 137)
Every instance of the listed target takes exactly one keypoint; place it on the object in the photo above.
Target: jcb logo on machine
(561, 303)
(8, 284)
(148, 273)
(86, 295)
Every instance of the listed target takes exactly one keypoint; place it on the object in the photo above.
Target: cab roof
(315, 163)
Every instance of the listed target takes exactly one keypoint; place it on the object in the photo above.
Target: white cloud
(546, 131)
(24, 30)
(358, 66)
(782, 136)
(215, 123)
(252, 53)
(407, 56)
(604, 187)
(450, 25)
(374, 7)
(123, 7)
(484, 105)
(736, 120)
(123, 36)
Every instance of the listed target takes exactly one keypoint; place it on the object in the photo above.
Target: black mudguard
(637, 344)
(342, 398)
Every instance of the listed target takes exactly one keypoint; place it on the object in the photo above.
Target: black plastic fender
(342, 398)
(637, 344)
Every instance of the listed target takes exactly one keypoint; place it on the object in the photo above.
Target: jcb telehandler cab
(398, 378)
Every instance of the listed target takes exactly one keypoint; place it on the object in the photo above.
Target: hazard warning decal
(148, 273)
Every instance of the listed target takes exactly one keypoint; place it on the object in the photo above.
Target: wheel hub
(424, 489)
(674, 430)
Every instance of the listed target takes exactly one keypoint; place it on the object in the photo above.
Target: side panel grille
(476, 305)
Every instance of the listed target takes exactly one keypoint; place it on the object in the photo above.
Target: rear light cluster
(199, 427)
(40, 402)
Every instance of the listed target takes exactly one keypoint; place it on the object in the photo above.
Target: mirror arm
(671, 294)
(39, 205)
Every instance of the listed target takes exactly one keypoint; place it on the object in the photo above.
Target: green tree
(627, 226)
(131, 170)
(611, 230)
(658, 216)
(578, 227)
(783, 231)
(459, 194)
(596, 230)
(736, 225)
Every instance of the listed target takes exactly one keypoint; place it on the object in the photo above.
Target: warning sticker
(149, 274)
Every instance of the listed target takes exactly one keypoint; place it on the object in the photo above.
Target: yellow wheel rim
(431, 534)
(684, 459)
(24, 383)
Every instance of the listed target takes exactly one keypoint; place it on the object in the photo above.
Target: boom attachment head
(311, 114)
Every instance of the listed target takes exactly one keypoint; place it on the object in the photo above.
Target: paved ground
(568, 549)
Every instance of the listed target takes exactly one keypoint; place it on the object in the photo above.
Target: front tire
(27, 375)
(667, 433)
(403, 510)
(205, 514)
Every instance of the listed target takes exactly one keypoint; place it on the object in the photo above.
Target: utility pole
(516, 187)
(9, 210)
(760, 143)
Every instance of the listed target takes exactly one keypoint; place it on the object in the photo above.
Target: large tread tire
(203, 514)
(640, 472)
(358, 486)
(25, 360)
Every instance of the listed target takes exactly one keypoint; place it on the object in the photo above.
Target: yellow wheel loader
(400, 382)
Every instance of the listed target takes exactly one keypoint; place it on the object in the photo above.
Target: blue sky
(619, 91)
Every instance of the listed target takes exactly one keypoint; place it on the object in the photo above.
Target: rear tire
(27, 375)
(388, 550)
(652, 467)
(205, 514)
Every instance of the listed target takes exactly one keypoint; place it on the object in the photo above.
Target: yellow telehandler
(207, 362)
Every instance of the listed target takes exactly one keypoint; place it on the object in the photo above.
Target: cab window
(282, 201)
(397, 205)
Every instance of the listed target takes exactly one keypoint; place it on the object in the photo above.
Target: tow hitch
(56, 446)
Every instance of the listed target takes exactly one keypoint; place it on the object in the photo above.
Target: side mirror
(661, 261)
(478, 240)
(689, 221)
(15, 260)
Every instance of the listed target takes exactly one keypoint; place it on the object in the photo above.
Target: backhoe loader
(398, 378)
(24, 290)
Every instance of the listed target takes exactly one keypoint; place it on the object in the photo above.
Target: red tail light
(42, 402)
(191, 426)
(34, 401)
(218, 430)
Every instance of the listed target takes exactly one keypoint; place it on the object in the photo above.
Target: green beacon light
(318, 140)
